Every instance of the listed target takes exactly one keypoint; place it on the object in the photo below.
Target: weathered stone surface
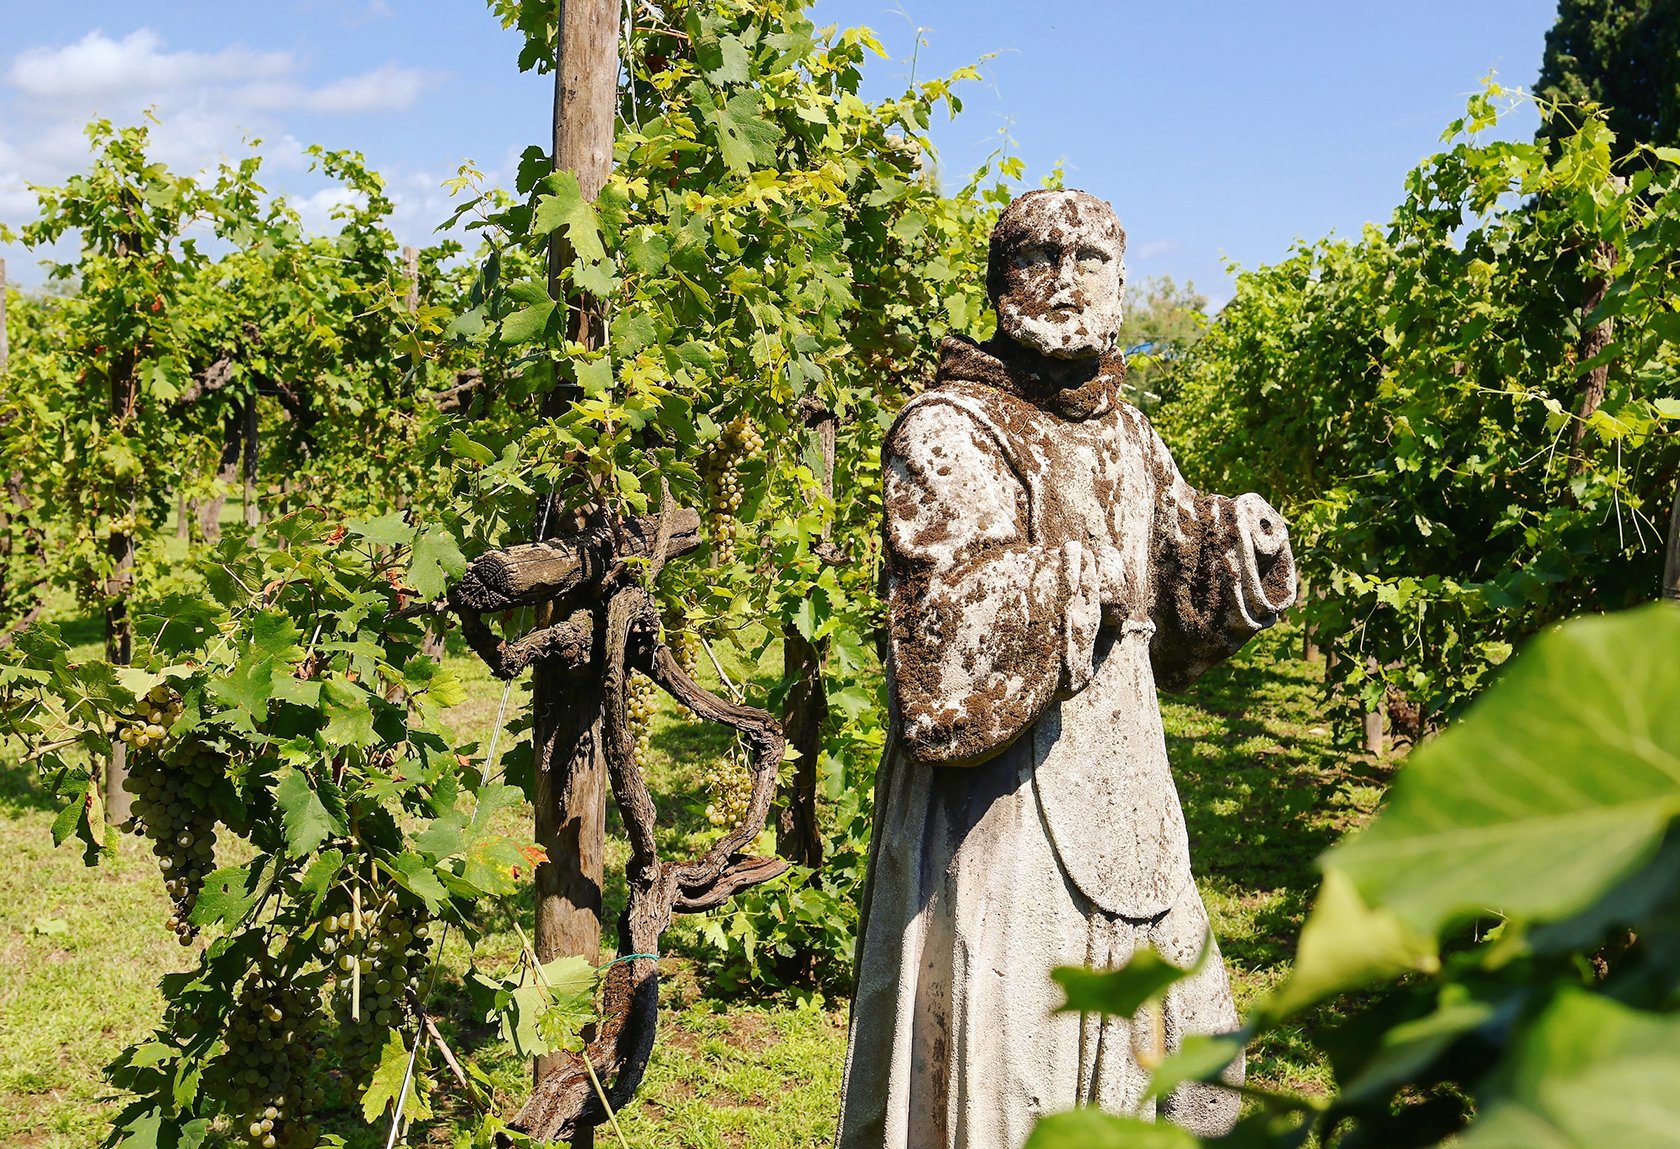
(1047, 567)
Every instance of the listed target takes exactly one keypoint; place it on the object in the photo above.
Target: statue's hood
(1076, 389)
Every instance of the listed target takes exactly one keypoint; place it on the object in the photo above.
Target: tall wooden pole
(570, 783)
(253, 513)
(5, 496)
(805, 709)
(119, 628)
(411, 278)
(1671, 562)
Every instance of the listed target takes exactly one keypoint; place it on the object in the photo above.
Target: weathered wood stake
(119, 629)
(253, 513)
(805, 709)
(1671, 566)
(571, 778)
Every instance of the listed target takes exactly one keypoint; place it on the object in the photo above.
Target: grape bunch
(640, 702)
(721, 465)
(730, 783)
(148, 726)
(685, 648)
(387, 954)
(171, 791)
(263, 1078)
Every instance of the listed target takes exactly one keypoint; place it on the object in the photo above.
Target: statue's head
(1055, 273)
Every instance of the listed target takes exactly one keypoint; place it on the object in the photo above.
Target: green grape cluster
(721, 465)
(171, 791)
(730, 783)
(685, 648)
(263, 1078)
(640, 702)
(378, 964)
(147, 726)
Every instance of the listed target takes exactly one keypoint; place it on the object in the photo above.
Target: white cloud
(209, 106)
(385, 89)
(316, 210)
(97, 65)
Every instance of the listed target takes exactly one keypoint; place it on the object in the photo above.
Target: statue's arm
(1222, 570)
(986, 627)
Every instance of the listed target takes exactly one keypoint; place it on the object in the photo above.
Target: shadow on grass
(22, 789)
(1264, 794)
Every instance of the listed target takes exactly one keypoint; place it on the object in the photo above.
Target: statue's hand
(1262, 527)
(1116, 593)
(1268, 578)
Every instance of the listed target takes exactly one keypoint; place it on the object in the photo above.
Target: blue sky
(1221, 131)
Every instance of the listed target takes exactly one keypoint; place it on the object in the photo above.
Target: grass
(1264, 790)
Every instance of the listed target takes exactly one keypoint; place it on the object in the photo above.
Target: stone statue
(1047, 567)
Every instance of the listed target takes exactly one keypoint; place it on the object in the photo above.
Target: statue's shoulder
(943, 410)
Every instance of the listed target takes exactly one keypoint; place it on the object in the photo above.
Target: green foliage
(769, 244)
(1162, 322)
(370, 822)
(1522, 885)
(1411, 400)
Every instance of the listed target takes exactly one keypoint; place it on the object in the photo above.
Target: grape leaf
(744, 137)
(527, 324)
(1558, 782)
(306, 819)
(153, 1130)
(387, 1083)
(1091, 1129)
(318, 878)
(250, 684)
(230, 892)
(436, 559)
(388, 530)
(1588, 1072)
(564, 207)
(1121, 992)
(349, 711)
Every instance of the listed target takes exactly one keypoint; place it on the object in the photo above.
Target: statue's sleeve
(986, 625)
(1222, 571)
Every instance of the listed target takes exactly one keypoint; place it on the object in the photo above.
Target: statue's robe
(1025, 814)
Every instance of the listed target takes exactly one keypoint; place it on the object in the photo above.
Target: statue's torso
(1097, 760)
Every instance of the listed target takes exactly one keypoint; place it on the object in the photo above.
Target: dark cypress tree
(1623, 54)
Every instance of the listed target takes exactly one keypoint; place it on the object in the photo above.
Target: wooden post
(1671, 566)
(119, 629)
(1309, 635)
(798, 837)
(210, 510)
(6, 504)
(411, 277)
(1374, 719)
(570, 783)
(253, 513)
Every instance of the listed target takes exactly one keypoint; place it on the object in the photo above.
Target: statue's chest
(1087, 481)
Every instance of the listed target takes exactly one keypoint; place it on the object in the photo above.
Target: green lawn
(81, 949)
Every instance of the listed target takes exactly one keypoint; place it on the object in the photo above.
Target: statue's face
(1062, 284)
